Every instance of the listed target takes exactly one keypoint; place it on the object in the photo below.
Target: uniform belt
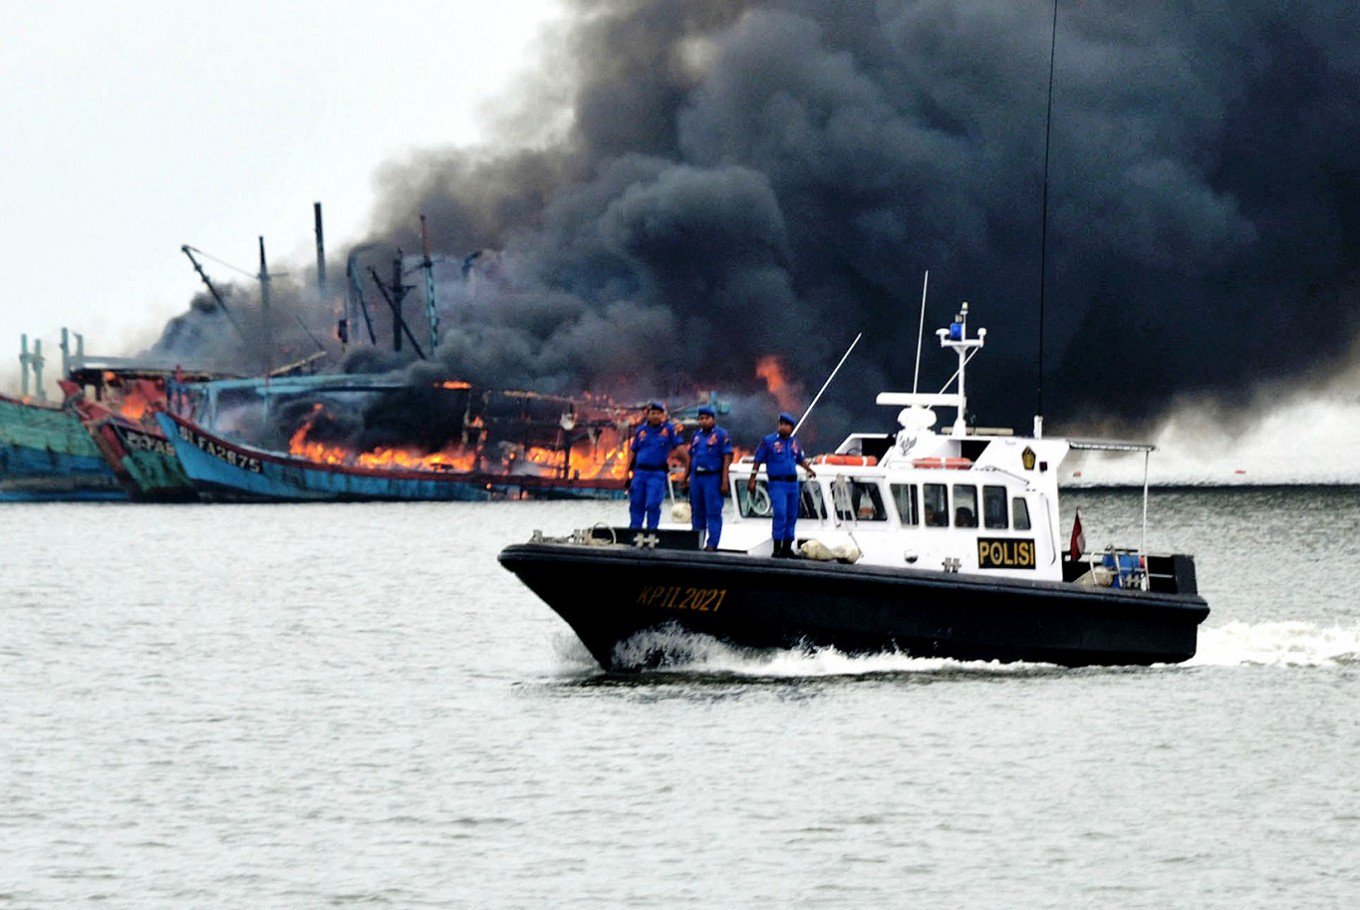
(705, 470)
(783, 478)
(642, 467)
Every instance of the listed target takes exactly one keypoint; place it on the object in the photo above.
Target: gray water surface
(301, 706)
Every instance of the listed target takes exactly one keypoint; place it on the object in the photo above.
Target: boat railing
(1028, 482)
(1117, 567)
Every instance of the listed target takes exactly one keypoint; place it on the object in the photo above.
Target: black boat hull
(608, 595)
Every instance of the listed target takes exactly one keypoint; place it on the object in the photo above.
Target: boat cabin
(921, 503)
(963, 499)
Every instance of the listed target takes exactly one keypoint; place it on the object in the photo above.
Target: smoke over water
(688, 189)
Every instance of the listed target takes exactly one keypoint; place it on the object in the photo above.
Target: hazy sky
(133, 128)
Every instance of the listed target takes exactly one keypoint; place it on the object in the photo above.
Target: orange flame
(787, 393)
(138, 397)
(603, 458)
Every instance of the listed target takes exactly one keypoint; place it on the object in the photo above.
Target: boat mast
(356, 291)
(320, 252)
(431, 314)
(956, 337)
(399, 292)
(342, 324)
(1043, 228)
(36, 361)
(264, 277)
(24, 360)
(212, 289)
(393, 301)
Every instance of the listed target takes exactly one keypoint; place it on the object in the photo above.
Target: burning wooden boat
(116, 400)
(51, 450)
(224, 470)
(916, 542)
(115, 406)
(483, 444)
(46, 455)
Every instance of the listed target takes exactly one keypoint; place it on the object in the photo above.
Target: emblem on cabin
(1027, 458)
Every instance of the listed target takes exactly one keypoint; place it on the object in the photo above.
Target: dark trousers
(645, 497)
(706, 505)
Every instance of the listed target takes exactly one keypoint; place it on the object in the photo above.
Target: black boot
(778, 552)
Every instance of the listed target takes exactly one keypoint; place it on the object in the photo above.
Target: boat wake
(674, 652)
(1277, 644)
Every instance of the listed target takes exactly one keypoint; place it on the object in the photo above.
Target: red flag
(1078, 538)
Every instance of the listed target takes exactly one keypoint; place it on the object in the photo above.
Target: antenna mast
(1043, 229)
(818, 397)
(956, 337)
(920, 332)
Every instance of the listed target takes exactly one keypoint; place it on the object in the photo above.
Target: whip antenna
(1043, 228)
(828, 381)
(920, 333)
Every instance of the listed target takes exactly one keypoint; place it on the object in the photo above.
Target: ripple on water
(353, 704)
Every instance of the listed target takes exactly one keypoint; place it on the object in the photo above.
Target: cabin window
(754, 504)
(810, 504)
(965, 506)
(904, 495)
(1020, 509)
(994, 507)
(858, 500)
(935, 498)
(757, 504)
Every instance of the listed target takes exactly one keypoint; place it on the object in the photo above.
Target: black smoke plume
(690, 186)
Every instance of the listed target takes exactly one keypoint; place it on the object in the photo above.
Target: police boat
(930, 544)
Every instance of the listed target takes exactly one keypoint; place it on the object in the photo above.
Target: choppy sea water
(301, 706)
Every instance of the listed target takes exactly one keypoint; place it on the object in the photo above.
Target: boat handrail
(1030, 486)
(1110, 445)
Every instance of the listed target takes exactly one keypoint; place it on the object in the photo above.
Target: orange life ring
(863, 461)
(957, 464)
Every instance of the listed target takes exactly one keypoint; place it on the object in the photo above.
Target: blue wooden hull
(47, 456)
(144, 462)
(229, 471)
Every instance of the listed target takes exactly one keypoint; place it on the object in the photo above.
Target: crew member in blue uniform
(710, 455)
(649, 456)
(782, 453)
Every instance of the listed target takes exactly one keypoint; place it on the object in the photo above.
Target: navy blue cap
(706, 410)
(656, 404)
(786, 417)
